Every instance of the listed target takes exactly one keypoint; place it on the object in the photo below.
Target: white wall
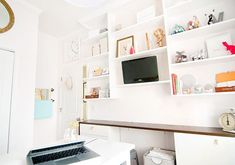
(47, 77)
(22, 38)
(155, 105)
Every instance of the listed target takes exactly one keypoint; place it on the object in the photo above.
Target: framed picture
(71, 50)
(215, 47)
(221, 17)
(124, 45)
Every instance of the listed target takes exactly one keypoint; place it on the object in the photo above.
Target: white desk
(111, 153)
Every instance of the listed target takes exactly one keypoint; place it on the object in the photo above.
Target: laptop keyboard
(58, 155)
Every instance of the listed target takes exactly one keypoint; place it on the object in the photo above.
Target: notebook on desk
(72, 153)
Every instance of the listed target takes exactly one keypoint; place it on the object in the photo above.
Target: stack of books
(175, 84)
(225, 82)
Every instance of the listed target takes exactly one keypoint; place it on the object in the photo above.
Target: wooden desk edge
(212, 131)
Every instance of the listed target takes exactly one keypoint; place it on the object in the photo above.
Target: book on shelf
(174, 83)
(225, 82)
(225, 77)
(225, 89)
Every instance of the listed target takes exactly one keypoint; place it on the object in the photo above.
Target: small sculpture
(180, 57)
(211, 18)
(200, 55)
(159, 35)
(230, 48)
(193, 24)
(177, 29)
(97, 71)
(132, 50)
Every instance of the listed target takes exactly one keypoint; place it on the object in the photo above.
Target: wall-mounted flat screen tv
(140, 70)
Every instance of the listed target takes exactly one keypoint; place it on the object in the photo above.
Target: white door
(68, 101)
(6, 77)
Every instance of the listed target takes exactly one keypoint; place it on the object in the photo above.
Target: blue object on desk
(43, 109)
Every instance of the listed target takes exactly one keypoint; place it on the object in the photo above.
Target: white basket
(157, 156)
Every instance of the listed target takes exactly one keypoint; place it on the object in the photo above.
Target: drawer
(94, 130)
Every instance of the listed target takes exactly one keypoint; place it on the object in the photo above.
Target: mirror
(7, 18)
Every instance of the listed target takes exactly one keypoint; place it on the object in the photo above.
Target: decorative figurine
(118, 27)
(193, 24)
(95, 91)
(200, 55)
(177, 29)
(211, 18)
(132, 50)
(147, 41)
(159, 35)
(180, 57)
(97, 71)
(208, 88)
(198, 89)
(230, 48)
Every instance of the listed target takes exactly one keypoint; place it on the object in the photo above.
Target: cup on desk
(70, 134)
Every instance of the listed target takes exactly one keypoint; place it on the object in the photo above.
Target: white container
(157, 156)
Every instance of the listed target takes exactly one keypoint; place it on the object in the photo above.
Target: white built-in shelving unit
(168, 13)
(204, 70)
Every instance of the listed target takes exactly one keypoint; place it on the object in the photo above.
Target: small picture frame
(124, 45)
(221, 17)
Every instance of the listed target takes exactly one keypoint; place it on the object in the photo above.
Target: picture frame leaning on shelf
(124, 46)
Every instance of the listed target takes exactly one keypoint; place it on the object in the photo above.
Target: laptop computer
(61, 154)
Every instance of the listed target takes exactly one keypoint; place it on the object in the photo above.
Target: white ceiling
(60, 18)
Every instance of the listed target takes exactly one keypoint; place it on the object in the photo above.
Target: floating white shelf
(204, 30)
(144, 23)
(207, 94)
(178, 5)
(98, 99)
(143, 54)
(97, 57)
(187, 6)
(96, 78)
(144, 84)
(222, 59)
(96, 37)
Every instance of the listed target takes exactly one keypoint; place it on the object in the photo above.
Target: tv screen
(140, 70)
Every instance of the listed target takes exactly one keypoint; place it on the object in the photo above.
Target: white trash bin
(157, 156)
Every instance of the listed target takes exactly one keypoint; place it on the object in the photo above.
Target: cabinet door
(204, 150)
(6, 74)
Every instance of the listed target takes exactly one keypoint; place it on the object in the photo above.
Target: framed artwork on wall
(71, 50)
(124, 46)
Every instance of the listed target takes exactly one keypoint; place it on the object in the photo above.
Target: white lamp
(86, 3)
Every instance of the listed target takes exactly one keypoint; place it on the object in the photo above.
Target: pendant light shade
(87, 3)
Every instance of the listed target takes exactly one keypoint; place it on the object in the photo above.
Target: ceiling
(59, 18)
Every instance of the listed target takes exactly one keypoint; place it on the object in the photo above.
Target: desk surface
(162, 127)
(110, 152)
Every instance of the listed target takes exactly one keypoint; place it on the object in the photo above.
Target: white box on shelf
(215, 47)
(104, 45)
(146, 14)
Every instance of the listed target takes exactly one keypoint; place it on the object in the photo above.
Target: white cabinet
(204, 150)
(94, 131)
